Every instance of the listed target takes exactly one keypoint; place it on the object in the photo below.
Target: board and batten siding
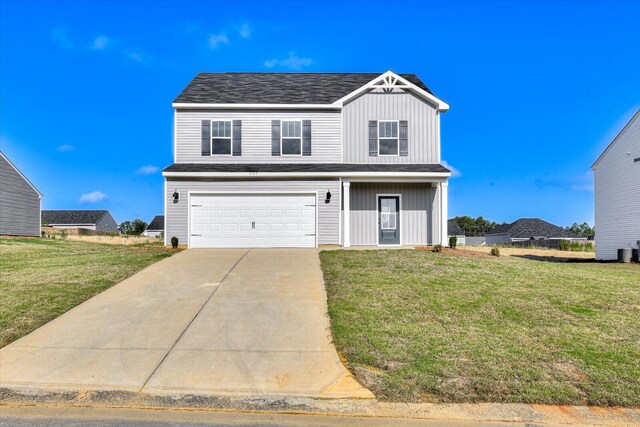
(617, 194)
(19, 203)
(326, 136)
(424, 144)
(419, 212)
(328, 214)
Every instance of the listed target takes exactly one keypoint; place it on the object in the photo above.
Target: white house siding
(419, 212)
(326, 132)
(617, 194)
(424, 143)
(19, 203)
(328, 215)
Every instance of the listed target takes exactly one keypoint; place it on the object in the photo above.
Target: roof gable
(73, 217)
(453, 229)
(15, 168)
(282, 89)
(157, 223)
(635, 117)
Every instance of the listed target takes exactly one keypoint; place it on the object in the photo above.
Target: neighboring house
(528, 229)
(20, 202)
(455, 230)
(98, 220)
(617, 193)
(155, 227)
(301, 160)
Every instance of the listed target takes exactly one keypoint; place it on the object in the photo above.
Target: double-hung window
(221, 137)
(388, 140)
(291, 138)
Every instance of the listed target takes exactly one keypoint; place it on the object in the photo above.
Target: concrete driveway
(204, 321)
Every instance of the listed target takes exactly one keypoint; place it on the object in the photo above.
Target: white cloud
(59, 37)
(65, 147)
(147, 170)
(100, 43)
(216, 40)
(135, 56)
(292, 62)
(245, 31)
(454, 172)
(93, 197)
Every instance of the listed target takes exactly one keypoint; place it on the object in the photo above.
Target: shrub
(453, 242)
(588, 247)
(63, 234)
(174, 242)
(495, 251)
(564, 245)
(437, 248)
(576, 247)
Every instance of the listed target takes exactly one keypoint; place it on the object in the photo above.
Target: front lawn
(421, 326)
(40, 278)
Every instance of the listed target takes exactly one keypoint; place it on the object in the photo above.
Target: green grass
(421, 326)
(40, 279)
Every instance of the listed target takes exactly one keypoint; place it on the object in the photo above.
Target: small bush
(495, 251)
(588, 247)
(174, 242)
(453, 242)
(565, 245)
(63, 234)
(437, 248)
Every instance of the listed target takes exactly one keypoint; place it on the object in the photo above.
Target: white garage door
(253, 220)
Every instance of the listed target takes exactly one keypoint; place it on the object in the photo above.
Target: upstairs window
(388, 140)
(221, 138)
(291, 138)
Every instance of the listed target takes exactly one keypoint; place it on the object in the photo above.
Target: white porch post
(444, 212)
(346, 229)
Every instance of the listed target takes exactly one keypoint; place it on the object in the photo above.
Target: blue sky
(537, 89)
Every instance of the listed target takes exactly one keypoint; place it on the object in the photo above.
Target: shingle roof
(277, 88)
(526, 228)
(304, 167)
(72, 217)
(157, 223)
(454, 229)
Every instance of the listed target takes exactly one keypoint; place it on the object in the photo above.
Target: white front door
(252, 221)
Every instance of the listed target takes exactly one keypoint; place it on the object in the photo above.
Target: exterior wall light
(328, 198)
(176, 195)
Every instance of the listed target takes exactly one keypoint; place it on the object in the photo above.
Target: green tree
(133, 228)
(474, 226)
(582, 230)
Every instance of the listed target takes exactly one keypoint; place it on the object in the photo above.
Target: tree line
(480, 226)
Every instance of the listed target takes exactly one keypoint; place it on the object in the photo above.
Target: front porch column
(444, 213)
(346, 214)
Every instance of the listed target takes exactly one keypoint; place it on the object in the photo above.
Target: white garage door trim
(262, 192)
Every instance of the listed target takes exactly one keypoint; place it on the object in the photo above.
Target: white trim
(195, 106)
(22, 175)
(165, 211)
(175, 136)
(282, 137)
(606, 150)
(378, 195)
(397, 138)
(435, 175)
(444, 213)
(340, 237)
(391, 80)
(230, 138)
(195, 192)
(346, 213)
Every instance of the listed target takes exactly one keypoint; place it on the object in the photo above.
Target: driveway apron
(205, 321)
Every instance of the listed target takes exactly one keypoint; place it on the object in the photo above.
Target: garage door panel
(253, 220)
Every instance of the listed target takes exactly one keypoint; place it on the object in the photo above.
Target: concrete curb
(487, 412)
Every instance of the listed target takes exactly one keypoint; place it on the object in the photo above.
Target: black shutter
(306, 137)
(404, 138)
(237, 137)
(206, 137)
(373, 138)
(275, 137)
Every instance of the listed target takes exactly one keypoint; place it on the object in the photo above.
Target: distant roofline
(21, 174)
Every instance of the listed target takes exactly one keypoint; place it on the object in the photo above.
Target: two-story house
(306, 159)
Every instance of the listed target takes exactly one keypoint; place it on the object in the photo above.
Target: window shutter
(306, 137)
(237, 137)
(404, 138)
(275, 137)
(373, 138)
(206, 137)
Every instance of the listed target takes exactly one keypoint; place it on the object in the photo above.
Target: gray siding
(419, 212)
(19, 204)
(326, 136)
(617, 194)
(497, 239)
(107, 223)
(424, 144)
(177, 214)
